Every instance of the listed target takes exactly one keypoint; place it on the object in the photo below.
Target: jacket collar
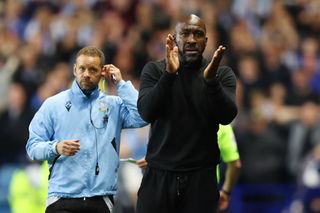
(78, 96)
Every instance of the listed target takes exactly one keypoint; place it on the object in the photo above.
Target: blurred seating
(261, 198)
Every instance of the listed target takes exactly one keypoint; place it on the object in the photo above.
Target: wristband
(226, 192)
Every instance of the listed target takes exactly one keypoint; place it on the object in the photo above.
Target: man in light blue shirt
(78, 132)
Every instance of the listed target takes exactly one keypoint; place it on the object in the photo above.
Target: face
(191, 39)
(87, 71)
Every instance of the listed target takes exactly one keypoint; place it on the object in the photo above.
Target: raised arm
(155, 90)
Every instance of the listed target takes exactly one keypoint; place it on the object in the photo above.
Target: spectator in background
(309, 59)
(28, 71)
(9, 43)
(250, 79)
(301, 92)
(14, 121)
(303, 159)
(55, 81)
(262, 149)
(304, 136)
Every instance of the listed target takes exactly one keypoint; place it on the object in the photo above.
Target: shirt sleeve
(39, 145)
(129, 111)
(155, 86)
(219, 95)
(227, 144)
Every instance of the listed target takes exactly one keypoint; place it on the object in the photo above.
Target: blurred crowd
(272, 46)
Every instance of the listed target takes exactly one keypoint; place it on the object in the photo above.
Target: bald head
(191, 20)
(190, 36)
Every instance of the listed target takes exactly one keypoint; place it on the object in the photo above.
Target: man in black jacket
(185, 98)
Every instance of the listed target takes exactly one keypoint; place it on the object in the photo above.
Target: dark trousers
(178, 192)
(79, 205)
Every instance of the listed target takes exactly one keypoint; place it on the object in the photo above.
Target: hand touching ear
(112, 73)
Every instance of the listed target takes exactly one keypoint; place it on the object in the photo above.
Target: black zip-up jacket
(185, 111)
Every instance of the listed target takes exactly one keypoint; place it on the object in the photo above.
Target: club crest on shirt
(68, 105)
(103, 107)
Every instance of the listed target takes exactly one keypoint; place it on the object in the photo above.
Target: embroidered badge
(103, 107)
(68, 105)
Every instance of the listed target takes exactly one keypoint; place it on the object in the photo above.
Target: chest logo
(68, 105)
(103, 107)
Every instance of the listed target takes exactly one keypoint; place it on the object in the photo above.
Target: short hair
(92, 51)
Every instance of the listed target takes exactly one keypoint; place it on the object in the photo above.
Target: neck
(192, 64)
(87, 92)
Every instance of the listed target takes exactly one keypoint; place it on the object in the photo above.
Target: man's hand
(212, 67)
(112, 73)
(172, 58)
(68, 147)
(223, 201)
(142, 163)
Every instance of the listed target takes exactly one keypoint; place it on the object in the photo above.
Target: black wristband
(226, 192)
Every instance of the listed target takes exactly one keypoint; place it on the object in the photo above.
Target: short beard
(88, 91)
(190, 61)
